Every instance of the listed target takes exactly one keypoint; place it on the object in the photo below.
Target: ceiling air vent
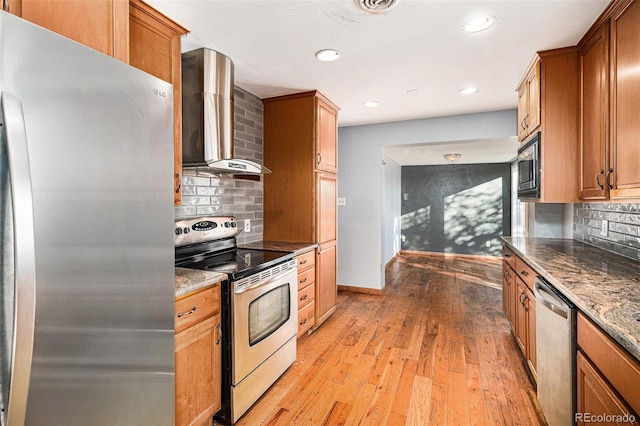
(375, 6)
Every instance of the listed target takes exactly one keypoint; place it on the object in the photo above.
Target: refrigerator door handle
(24, 262)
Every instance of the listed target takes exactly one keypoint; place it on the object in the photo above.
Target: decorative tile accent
(224, 195)
(624, 227)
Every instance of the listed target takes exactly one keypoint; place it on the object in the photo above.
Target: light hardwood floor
(434, 349)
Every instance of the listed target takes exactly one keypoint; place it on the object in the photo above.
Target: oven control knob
(234, 225)
(227, 224)
(186, 230)
(178, 231)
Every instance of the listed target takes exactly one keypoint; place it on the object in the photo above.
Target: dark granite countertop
(190, 280)
(603, 285)
(296, 248)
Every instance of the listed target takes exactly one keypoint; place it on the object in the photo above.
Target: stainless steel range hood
(207, 115)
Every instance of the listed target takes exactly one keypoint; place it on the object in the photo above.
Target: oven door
(265, 317)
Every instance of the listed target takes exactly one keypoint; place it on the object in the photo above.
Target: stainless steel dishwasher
(556, 354)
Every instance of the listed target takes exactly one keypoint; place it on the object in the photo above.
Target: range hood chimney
(207, 115)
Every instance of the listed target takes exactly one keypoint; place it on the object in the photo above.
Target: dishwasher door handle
(550, 301)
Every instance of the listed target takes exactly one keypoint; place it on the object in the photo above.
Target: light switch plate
(342, 201)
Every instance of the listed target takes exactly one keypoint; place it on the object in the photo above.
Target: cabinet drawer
(306, 317)
(196, 307)
(509, 256)
(306, 260)
(525, 272)
(306, 278)
(306, 295)
(615, 364)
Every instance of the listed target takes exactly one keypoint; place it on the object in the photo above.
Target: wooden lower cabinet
(519, 305)
(608, 375)
(306, 291)
(197, 357)
(596, 397)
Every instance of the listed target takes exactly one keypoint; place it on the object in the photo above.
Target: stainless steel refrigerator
(86, 164)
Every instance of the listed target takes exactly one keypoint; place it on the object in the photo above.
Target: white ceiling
(418, 44)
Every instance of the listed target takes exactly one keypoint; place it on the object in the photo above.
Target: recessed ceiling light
(453, 157)
(370, 104)
(468, 90)
(479, 24)
(327, 55)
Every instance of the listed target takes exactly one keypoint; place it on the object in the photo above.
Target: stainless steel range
(259, 308)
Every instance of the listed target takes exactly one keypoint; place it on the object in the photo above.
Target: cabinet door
(530, 309)
(625, 101)
(102, 25)
(523, 108)
(507, 292)
(533, 83)
(520, 316)
(326, 284)
(595, 397)
(326, 185)
(594, 74)
(326, 137)
(197, 365)
(154, 47)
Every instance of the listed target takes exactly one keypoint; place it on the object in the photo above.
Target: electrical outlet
(487, 243)
(605, 228)
(247, 226)
(342, 201)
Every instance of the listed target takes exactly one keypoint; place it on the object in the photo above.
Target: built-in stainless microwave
(529, 168)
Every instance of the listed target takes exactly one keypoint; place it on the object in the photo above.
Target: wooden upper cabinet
(610, 100)
(625, 101)
(326, 154)
(529, 101)
(154, 47)
(549, 95)
(594, 101)
(102, 25)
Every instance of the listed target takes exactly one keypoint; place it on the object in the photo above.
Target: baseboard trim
(362, 290)
(496, 259)
(390, 262)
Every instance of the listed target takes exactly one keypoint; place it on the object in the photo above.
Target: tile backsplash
(223, 195)
(623, 234)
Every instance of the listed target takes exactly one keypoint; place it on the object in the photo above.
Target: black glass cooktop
(238, 263)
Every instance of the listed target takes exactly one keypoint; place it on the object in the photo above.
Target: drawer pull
(304, 297)
(525, 273)
(303, 262)
(180, 314)
(303, 322)
(507, 255)
(303, 280)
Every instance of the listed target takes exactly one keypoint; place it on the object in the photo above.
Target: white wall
(362, 248)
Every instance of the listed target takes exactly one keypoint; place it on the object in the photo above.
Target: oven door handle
(270, 280)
